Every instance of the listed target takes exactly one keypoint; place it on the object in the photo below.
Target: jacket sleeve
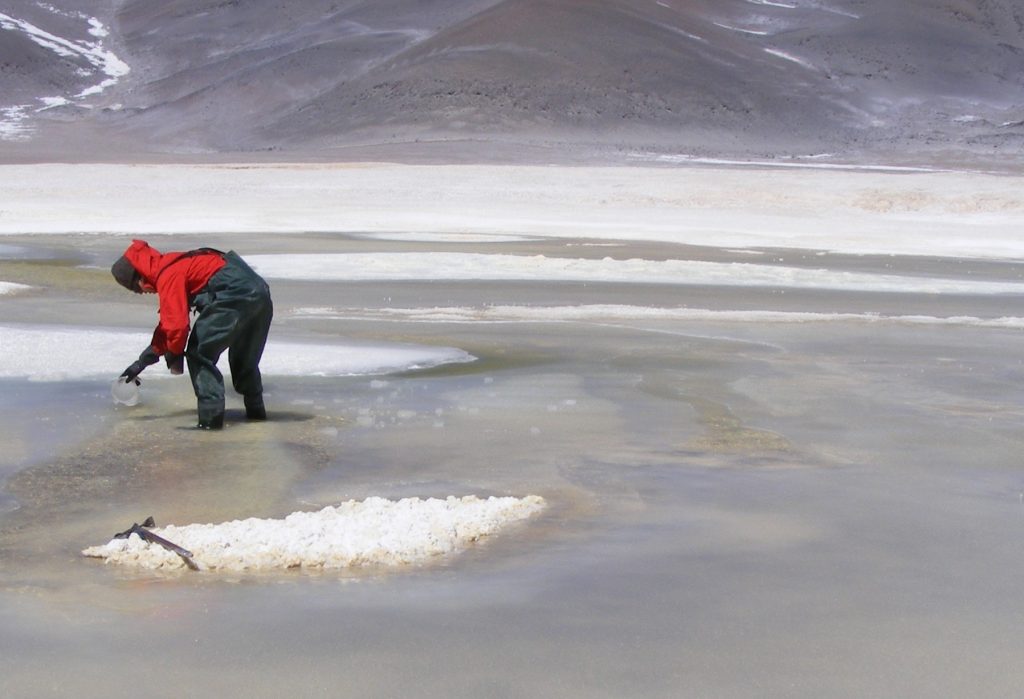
(172, 332)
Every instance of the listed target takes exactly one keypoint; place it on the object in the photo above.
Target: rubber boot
(254, 409)
(211, 422)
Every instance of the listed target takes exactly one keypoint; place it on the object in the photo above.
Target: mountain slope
(914, 79)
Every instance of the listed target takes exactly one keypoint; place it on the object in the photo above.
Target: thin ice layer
(372, 532)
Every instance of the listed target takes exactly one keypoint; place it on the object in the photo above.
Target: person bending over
(234, 314)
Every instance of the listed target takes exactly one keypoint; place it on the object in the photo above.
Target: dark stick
(146, 535)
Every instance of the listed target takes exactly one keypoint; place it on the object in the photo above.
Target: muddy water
(737, 509)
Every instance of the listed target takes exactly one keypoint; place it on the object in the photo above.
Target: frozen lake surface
(785, 487)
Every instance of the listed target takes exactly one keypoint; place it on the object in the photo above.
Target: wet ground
(739, 509)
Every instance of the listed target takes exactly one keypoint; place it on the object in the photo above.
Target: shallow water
(738, 509)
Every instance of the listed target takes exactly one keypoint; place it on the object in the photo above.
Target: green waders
(235, 311)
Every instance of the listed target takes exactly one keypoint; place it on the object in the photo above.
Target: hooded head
(125, 274)
(139, 266)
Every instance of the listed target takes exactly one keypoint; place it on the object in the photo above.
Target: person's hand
(145, 359)
(175, 363)
(132, 372)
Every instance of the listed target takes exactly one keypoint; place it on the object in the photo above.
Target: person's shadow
(236, 417)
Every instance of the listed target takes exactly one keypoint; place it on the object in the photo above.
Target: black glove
(145, 359)
(175, 362)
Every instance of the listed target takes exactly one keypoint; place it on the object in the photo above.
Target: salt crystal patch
(375, 531)
(12, 288)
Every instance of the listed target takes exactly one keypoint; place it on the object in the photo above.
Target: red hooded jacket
(176, 281)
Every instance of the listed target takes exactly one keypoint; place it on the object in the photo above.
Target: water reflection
(737, 510)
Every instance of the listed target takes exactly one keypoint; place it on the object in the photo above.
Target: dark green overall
(235, 311)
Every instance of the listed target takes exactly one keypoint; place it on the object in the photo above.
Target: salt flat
(955, 214)
(759, 481)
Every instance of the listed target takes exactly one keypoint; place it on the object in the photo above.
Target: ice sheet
(617, 312)
(42, 354)
(476, 266)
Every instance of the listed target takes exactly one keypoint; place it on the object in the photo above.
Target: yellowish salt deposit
(374, 531)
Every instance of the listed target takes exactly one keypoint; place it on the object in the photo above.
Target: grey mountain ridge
(911, 81)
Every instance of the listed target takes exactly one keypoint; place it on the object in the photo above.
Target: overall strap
(199, 251)
(190, 253)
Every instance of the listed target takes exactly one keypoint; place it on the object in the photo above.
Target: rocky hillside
(908, 81)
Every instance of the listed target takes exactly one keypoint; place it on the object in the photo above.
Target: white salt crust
(373, 532)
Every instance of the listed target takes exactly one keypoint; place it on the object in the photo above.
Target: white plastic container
(125, 392)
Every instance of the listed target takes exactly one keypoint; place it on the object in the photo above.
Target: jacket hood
(146, 260)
